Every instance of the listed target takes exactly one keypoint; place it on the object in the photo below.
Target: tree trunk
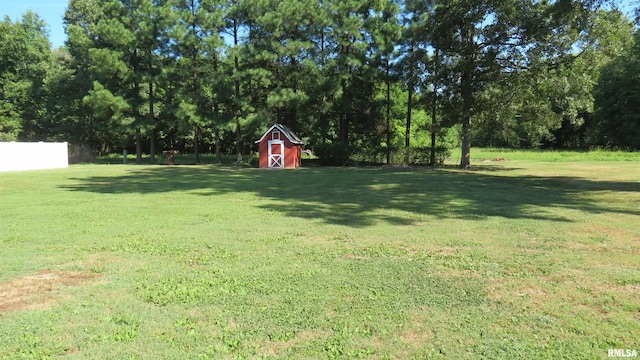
(466, 87)
(434, 124)
(152, 140)
(236, 64)
(194, 78)
(136, 115)
(238, 142)
(343, 135)
(218, 157)
(388, 80)
(152, 146)
(465, 161)
(343, 126)
(196, 140)
(407, 131)
(138, 146)
(434, 111)
(467, 101)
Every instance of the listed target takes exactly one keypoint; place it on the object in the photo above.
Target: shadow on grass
(363, 196)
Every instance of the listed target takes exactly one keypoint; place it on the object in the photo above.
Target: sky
(51, 11)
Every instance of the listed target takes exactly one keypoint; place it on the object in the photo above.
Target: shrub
(421, 156)
(333, 154)
(79, 154)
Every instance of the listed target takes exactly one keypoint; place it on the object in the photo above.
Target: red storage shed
(279, 147)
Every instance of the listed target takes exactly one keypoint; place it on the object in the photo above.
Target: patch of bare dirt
(498, 159)
(416, 337)
(278, 347)
(534, 294)
(38, 290)
(432, 250)
(355, 257)
(599, 229)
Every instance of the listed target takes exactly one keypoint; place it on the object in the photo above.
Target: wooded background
(390, 81)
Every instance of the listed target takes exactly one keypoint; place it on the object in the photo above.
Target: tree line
(395, 80)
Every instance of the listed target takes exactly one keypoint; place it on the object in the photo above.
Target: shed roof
(286, 131)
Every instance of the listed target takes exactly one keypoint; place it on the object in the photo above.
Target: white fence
(15, 156)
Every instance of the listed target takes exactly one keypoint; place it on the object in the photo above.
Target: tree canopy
(616, 121)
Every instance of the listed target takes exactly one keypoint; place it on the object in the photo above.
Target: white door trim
(276, 160)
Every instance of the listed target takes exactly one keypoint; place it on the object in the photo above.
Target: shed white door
(276, 154)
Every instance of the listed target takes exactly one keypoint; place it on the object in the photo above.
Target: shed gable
(288, 133)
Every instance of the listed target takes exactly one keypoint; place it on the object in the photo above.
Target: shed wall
(292, 153)
(263, 149)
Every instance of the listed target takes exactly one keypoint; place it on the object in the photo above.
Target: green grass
(516, 259)
(547, 155)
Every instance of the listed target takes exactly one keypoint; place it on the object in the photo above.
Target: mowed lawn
(509, 260)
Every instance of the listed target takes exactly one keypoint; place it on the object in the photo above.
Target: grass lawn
(533, 257)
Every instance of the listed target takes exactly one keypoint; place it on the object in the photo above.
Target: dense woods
(385, 80)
